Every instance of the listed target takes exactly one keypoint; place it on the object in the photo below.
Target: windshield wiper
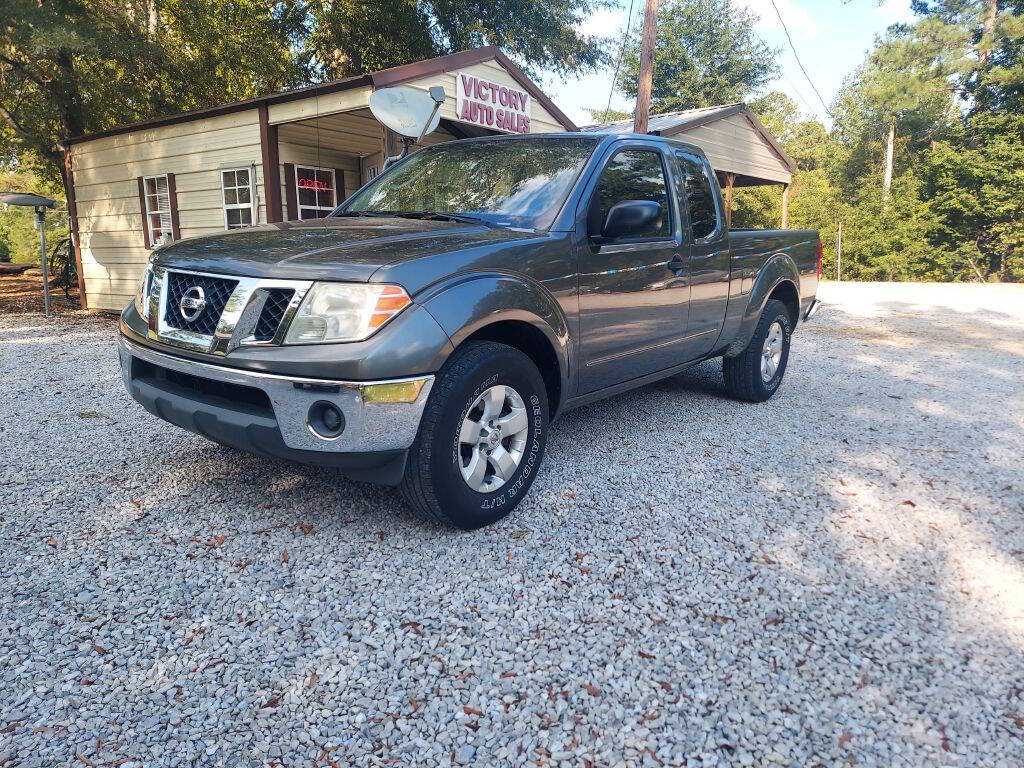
(430, 215)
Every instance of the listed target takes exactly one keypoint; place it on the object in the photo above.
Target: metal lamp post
(40, 204)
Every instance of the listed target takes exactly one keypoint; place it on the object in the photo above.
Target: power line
(618, 64)
(800, 63)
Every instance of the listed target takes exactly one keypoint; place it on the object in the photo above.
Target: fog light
(325, 420)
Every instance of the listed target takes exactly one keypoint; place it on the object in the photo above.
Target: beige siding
(733, 145)
(300, 109)
(541, 121)
(107, 193)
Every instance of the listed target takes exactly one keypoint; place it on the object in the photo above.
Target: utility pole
(643, 91)
(839, 254)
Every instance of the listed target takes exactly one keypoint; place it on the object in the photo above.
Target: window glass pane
(631, 175)
(228, 178)
(307, 196)
(230, 196)
(242, 178)
(150, 186)
(308, 213)
(245, 216)
(243, 194)
(699, 196)
(325, 198)
(234, 217)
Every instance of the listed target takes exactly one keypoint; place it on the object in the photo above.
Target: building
(298, 153)
(740, 149)
(291, 155)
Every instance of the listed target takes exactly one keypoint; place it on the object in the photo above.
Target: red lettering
(503, 95)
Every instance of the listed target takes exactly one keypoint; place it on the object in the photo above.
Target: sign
(312, 184)
(491, 105)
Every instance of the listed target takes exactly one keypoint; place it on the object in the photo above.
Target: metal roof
(673, 123)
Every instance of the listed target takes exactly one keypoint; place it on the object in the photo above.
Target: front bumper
(269, 414)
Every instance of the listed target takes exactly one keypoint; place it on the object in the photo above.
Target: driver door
(634, 292)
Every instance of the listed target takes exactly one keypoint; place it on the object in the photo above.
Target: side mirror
(631, 218)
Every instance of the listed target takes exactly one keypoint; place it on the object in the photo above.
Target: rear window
(700, 197)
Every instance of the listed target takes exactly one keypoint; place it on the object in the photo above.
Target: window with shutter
(158, 209)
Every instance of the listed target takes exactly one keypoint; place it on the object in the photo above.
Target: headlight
(142, 295)
(344, 312)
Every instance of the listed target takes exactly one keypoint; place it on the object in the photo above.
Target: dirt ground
(24, 293)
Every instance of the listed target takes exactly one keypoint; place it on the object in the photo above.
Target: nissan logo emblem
(192, 303)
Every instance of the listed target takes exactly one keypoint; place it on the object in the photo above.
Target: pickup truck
(428, 331)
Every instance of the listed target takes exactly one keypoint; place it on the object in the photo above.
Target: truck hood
(327, 249)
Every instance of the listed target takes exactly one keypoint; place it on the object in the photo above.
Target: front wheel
(481, 439)
(756, 372)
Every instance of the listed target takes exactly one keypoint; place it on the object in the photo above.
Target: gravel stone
(834, 577)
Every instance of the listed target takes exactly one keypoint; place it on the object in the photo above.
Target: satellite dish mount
(409, 112)
(40, 204)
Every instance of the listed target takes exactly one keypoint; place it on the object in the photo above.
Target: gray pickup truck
(427, 332)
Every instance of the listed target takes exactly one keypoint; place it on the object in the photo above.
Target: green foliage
(951, 87)
(70, 67)
(706, 53)
(17, 230)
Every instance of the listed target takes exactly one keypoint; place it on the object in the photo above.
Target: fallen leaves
(592, 689)
(100, 649)
(473, 711)
(285, 557)
(845, 739)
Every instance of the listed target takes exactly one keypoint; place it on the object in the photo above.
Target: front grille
(216, 291)
(277, 303)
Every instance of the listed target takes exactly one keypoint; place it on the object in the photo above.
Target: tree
(902, 90)
(707, 54)
(69, 67)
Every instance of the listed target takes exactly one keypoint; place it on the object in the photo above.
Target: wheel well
(532, 342)
(786, 293)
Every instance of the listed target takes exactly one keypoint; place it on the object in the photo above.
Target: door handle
(677, 263)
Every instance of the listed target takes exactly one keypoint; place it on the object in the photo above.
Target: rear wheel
(756, 373)
(481, 439)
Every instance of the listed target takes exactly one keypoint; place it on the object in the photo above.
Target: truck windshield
(506, 182)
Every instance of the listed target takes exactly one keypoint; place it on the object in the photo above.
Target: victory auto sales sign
(491, 105)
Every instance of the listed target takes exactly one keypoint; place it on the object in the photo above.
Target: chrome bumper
(379, 415)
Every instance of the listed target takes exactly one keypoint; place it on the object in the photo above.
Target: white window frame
(251, 205)
(167, 233)
(298, 200)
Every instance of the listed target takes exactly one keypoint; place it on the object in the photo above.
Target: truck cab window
(699, 196)
(633, 174)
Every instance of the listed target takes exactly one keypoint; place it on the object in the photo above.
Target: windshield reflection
(511, 182)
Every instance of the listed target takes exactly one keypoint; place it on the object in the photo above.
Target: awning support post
(730, 178)
(785, 206)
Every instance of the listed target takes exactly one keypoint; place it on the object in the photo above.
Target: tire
(743, 373)
(434, 484)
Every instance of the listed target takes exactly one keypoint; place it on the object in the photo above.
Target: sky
(831, 37)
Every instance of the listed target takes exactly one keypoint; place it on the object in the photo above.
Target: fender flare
(470, 303)
(778, 269)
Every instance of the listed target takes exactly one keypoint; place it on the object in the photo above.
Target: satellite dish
(408, 111)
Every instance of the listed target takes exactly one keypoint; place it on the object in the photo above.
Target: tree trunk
(988, 25)
(889, 148)
(984, 49)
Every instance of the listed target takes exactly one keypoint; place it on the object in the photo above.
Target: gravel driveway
(833, 577)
